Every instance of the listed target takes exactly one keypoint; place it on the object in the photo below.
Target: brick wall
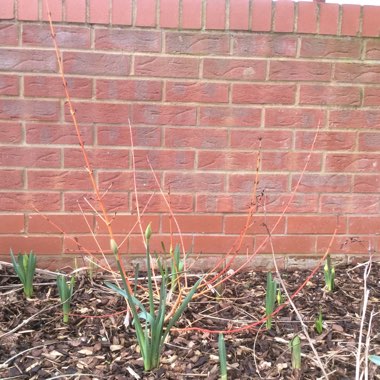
(202, 82)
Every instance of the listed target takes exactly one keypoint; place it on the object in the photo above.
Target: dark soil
(36, 344)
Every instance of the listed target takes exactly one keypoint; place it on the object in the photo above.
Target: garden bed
(36, 344)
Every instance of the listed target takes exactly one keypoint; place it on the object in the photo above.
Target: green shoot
(25, 267)
(280, 297)
(222, 357)
(295, 346)
(374, 359)
(65, 291)
(270, 299)
(149, 322)
(329, 274)
(319, 323)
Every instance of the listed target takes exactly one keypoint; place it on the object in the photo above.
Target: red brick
(287, 244)
(196, 43)
(244, 183)
(299, 203)
(128, 89)
(153, 114)
(11, 224)
(284, 16)
(99, 11)
(39, 86)
(196, 137)
(307, 17)
(75, 11)
(294, 118)
(10, 133)
(7, 10)
(30, 157)
(55, 9)
(201, 92)
(372, 49)
(86, 244)
(126, 224)
(222, 203)
(11, 179)
(300, 71)
(193, 182)
(345, 162)
(30, 201)
(9, 85)
(98, 158)
(366, 183)
(121, 12)
(171, 67)
(350, 20)
(230, 160)
(66, 37)
(350, 204)
(96, 64)
(27, 10)
(264, 45)
(330, 95)
(330, 48)
(261, 16)
(239, 15)
(357, 119)
(219, 244)
(117, 180)
(276, 139)
(113, 202)
(191, 14)
(9, 34)
(95, 112)
(259, 225)
(363, 225)
(37, 133)
(330, 141)
(169, 14)
(28, 60)
(194, 224)
(263, 94)
(215, 14)
(368, 141)
(128, 40)
(58, 180)
(328, 18)
(343, 246)
(315, 224)
(73, 223)
(179, 203)
(237, 69)
(323, 183)
(40, 245)
(119, 135)
(371, 15)
(164, 159)
(29, 110)
(230, 116)
(290, 161)
(145, 13)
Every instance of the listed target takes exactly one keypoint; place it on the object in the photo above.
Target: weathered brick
(154, 114)
(368, 141)
(330, 95)
(290, 161)
(30, 201)
(41, 245)
(96, 64)
(53, 224)
(12, 223)
(58, 180)
(230, 116)
(222, 203)
(264, 45)
(366, 183)
(128, 40)
(305, 244)
(153, 203)
(10, 132)
(164, 159)
(171, 67)
(245, 183)
(201, 92)
(194, 182)
(127, 89)
(260, 224)
(29, 157)
(325, 141)
(263, 93)
(372, 49)
(194, 224)
(29, 109)
(357, 73)
(323, 183)
(354, 163)
(349, 204)
(66, 36)
(237, 69)
(11, 179)
(9, 85)
(113, 202)
(313, 47)
(300, 71)
(293, 118)
(314, 224)
(196, 43)
(124, 181)
(230, 160)
(8, 34)
(270, 139)
(357, 119)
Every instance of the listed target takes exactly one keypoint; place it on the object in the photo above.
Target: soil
(96, 344)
